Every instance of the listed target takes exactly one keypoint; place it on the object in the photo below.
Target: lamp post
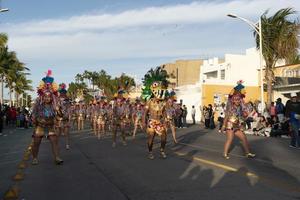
(4, 9)
(258, 30)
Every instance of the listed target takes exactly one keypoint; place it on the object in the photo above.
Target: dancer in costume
(118, 117)
(44, 118)
(109, 118)
(127, 117)
(234, 121)
(88, 115)
(73, 116)
(63, 115)
(101, 119)
(80, 113)
(137, 117)
(170, 113)
(155, 93)
(94, 116)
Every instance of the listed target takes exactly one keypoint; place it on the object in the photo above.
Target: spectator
(178, 118)
(272, 110)
(280, 110)
(293, 112)
(221, 116)
(206, 116)
(184, 114)
(262, 127)
(252, 114)
(1, 119)
(13, 116)
(260, 108)
(193, 112)
(211, 117)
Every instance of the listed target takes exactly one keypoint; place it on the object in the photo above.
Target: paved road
(194, 169)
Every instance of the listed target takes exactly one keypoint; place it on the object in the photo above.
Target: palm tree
(3, 55)
(21, 86)
(280, 41)
(3, 40)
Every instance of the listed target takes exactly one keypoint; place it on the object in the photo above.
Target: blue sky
(125, 36)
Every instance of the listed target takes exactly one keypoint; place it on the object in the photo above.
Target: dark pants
(221, 121)
(179, 122)
(248, 122)
(1, 124)
(184, 121)
(193, 117)
(207, 122)
(295, 140)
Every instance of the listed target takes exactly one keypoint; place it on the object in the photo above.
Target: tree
(12, 71)
(3, 40)
(280, 41)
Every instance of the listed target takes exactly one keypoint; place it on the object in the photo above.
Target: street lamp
(258, 30)
(4, 9)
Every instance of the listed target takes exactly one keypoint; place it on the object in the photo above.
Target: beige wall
(288, 71)
(188, 71)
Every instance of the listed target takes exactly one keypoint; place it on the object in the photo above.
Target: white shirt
(193, 112)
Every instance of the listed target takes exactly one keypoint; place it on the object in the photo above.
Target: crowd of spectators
(272, 122)
(14, 117)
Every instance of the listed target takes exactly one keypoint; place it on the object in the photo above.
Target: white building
(218, 76)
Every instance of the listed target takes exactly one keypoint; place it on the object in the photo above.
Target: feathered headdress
(122, 90)
(62, 88)
(47, 84)
(158, 75)
(238, 90)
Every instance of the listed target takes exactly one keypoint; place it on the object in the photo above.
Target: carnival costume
(63, 114)
(155, 93)
(170, 114)
(44, 112)
(137, 117)
(101, 118)
(121, 113)
(235, 116)
(80, 114)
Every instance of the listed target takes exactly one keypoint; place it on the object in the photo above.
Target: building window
(212, 75)
(223, 74)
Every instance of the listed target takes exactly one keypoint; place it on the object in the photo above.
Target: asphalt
(194, 169)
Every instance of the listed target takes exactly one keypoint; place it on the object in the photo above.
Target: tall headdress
(155, 84)
(122, 92)
(47, 85)
(239, 90)
(62, 90)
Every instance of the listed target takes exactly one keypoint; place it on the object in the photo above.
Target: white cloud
(184, 30)
(197, 12)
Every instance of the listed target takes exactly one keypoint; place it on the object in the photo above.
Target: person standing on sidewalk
(184, 114)
(1, 119)
(221, 116)
(293, 113)
(280, 110)
(193, 113)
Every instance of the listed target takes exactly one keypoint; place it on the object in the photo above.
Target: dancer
(63, 115)
(170, 113)
(94, 116)
(101, 119)
(155, 93)
(234, 121)
(44, 116)
(127, 117)
(118, 117)
(80, 113)
(137, 118)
